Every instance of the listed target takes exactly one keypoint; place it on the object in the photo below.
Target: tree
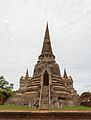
(5, 89)
(4, 85)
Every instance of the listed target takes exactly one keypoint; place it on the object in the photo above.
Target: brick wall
(45, 115)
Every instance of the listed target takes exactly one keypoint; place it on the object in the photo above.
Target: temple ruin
(47, 88)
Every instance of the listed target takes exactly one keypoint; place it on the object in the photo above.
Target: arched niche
(45, 78)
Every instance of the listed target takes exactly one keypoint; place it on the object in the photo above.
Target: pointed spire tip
(27, 75)
(47, 23)
(47, 36)
(65, 73)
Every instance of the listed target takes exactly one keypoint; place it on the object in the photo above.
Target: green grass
(22, 108)
(15, 107)
(73, 108)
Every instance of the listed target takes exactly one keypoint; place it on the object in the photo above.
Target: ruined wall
(45, 115)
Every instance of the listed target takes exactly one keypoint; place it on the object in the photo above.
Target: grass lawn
(21, 108)
(73, 108)
(15, 107)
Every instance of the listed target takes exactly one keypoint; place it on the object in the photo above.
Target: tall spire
(47, 36)
(47, 44)
(65, 74)
(46, 53)
(27, 75)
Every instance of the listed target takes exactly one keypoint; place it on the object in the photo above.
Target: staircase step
(45, 97)
(45, 90)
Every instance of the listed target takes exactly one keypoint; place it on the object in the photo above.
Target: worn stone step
(44, 90)
(44, 99)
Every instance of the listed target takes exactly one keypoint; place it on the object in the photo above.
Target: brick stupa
(47, 88)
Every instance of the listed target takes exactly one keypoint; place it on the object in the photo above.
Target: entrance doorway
(45, 78)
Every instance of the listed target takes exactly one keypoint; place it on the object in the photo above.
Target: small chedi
(85, 99)
(47, 88)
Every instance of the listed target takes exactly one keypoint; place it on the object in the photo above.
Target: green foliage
(5, 89)
(4, 95)
(4, 85)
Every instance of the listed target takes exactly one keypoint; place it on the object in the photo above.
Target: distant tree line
(5, 90)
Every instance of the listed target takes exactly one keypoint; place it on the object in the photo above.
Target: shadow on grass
(22, 108)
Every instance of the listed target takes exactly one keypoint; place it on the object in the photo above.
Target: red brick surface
(44, 115)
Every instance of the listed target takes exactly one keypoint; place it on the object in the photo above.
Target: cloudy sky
(22, 27)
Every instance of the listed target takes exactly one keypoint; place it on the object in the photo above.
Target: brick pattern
(45, 115)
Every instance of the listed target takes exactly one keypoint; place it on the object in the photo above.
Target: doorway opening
(45, 78)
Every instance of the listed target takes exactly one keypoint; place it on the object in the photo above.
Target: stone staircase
(44, 98)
